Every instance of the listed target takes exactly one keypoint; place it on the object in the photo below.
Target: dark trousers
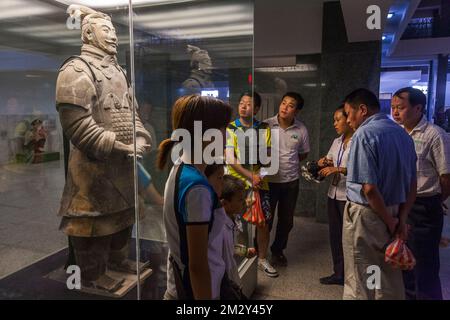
(285, 196)
(426, 219)
(335, 223)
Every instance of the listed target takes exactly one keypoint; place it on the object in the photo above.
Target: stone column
(344, 67)
(444, 19)
(441, 84)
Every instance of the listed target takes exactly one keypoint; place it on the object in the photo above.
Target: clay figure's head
(281, 86)
(36, 123)
(96, 28)
(200, 59)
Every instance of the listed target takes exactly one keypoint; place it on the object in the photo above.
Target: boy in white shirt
(232, 194)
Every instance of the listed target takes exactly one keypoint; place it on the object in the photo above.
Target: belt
(439, 196)
(360, 204)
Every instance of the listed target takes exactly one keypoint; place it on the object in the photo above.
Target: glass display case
(165, 49)
(185, 47)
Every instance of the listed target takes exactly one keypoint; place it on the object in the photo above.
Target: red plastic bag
(254, 214)
(399, 255)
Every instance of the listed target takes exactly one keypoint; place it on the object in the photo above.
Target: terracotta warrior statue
(200, 77)
(94, 102)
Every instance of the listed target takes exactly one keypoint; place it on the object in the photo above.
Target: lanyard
(340, 153)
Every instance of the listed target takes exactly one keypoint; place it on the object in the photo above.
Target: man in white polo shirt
(293, 147)
(432, 146)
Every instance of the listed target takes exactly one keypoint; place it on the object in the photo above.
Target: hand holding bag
(255, 214)
(399, 255)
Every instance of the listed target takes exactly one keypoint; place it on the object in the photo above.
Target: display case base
(34, 283)
(129, 283)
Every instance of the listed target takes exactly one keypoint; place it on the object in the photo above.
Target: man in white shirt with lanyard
(432, 146)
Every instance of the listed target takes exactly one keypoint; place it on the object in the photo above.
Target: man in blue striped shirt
(381, 188)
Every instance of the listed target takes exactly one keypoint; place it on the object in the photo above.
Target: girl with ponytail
(196, 267)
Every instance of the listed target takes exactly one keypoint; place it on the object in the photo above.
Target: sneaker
(333, 279)
(279, 260)
(265, 266)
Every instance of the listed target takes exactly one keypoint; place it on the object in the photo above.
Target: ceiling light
(192, 32)
(13, 9)
(218, 35)
(200, 20)
(205, 11)
(297, 68)
(390, 15)
(118, 3)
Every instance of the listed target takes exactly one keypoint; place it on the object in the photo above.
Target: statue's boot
(119, 252)
(91, 255)
(105, 282)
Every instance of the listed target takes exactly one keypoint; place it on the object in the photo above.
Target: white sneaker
(265, 266)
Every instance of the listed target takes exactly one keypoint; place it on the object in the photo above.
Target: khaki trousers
(364, 240)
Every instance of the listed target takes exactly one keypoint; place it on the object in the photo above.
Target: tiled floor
(445, 258)
(29, 200)
(309, 259)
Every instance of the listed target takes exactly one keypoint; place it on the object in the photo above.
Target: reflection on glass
(40, 37)
(174, 42)
(199, 81)
(202, 47)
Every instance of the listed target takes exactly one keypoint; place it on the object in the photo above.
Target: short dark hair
(231, 187)
(415, 97)
(254, 95)
(297, 96)
(342, 109)
(363, 96)
(212, 168)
